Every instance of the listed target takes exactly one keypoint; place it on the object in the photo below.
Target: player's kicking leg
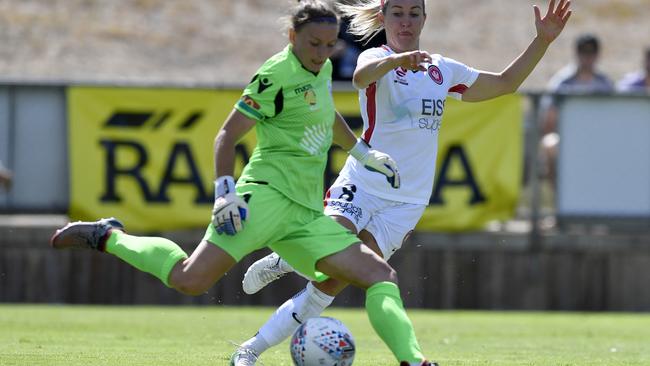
(158, 256)
(311, 301)
(361, 267)
(85, 235)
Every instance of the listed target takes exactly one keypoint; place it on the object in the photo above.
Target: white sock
(308, 303)
(257, 344)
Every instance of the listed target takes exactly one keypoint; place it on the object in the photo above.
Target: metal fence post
(533, 164)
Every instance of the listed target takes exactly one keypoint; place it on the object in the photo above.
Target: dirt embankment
(213, 42)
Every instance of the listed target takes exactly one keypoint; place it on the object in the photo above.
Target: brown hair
(312, 11)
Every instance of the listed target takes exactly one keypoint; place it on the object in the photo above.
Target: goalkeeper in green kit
(277, 201)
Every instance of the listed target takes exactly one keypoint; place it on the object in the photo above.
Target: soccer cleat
(263, 272)
(423, 363)
(85, 234)
(243, 357)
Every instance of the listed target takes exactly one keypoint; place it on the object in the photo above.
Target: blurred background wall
(217, 42)
(562, 248)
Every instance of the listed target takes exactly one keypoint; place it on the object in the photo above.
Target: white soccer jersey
(402, 114)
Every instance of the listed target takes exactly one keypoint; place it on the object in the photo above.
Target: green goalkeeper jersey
(294, 110)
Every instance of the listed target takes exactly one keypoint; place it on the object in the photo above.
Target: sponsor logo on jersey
(264, 84)
(431, 114)
(435, 74)
(430, 124)
(433, 107)
(316, 139)
(400, 76)
(302, 89)
(251, 102)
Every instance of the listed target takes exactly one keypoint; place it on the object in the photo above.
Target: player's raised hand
(551, 25)
(413, 60)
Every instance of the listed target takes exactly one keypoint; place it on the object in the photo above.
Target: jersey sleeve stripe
(249, 111)
(371, 110)
(460, 88)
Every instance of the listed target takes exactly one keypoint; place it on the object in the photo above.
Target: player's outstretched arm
(229, 210)
(491, 85)
(368, 72)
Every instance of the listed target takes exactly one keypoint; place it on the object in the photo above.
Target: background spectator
(637, 81)
(580, 76)
(344, 59)
(348, 48)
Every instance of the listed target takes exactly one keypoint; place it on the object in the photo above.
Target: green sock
(157, 256)
(388, 317)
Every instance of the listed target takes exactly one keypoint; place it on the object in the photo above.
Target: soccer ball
(322, 341)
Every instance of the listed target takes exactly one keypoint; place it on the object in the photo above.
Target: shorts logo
(250, 102)
(347, 209)
(435, 74)
(348, 192)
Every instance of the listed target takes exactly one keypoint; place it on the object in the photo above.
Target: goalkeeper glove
(376, 161)
(230, 210)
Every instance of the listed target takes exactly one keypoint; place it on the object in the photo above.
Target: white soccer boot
(243, 357)
(263, 272)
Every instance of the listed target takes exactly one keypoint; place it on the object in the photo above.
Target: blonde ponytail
(364, 22)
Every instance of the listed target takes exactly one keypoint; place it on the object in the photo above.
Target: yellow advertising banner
(146, 156)
(479, 167)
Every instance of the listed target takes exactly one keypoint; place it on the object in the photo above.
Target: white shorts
(390, 222)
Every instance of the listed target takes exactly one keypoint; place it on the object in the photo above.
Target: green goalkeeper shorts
(301, 236)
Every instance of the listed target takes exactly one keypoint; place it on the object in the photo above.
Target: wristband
(224, 185)
(360, 150)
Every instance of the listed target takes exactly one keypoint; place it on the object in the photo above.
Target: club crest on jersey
(400, 76)
(310, 98)
(435, 74)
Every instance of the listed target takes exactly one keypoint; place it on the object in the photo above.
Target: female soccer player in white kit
(402, 92)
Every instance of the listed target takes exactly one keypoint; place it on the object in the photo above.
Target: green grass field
(125, 336)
